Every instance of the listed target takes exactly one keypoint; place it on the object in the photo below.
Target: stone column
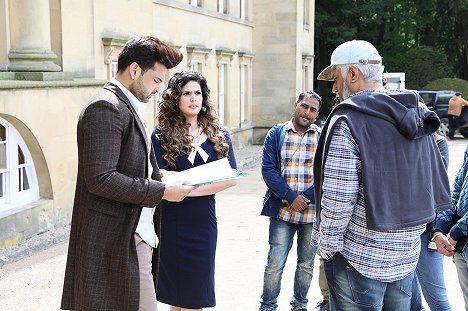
(30, 36)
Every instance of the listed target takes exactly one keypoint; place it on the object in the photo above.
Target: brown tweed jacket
(111, 188)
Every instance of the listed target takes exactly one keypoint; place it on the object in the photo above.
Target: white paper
(210, 172)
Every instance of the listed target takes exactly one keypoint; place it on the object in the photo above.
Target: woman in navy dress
(188, 135)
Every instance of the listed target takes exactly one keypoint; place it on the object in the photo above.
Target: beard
(346, 92)
(138, 89)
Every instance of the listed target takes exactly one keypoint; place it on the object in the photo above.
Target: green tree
(458, 85)
(395, 27)
(423, 64)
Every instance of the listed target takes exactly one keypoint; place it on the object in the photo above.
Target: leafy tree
(396, 27)
(423, 64)
(456, 84)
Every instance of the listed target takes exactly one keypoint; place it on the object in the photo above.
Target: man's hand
(176, 191)
(444, 245)
(300, 203)
(452, 241)
(165, 173)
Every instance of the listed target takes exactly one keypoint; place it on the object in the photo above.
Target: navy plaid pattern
(382, 256)
(459, 205)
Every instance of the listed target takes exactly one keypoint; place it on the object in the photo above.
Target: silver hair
(370, 72)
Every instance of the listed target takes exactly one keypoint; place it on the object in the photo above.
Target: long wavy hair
(174, 129)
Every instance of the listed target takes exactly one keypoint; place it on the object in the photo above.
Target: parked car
(438, 102)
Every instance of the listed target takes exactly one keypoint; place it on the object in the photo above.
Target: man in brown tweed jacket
(111, 264)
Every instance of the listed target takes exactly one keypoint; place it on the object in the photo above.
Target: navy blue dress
(188, 239)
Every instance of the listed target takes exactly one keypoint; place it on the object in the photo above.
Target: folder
(215, 171)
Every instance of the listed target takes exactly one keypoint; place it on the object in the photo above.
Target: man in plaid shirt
(375, 150)
(288, 156)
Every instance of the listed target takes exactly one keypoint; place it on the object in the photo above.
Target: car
(438, 102)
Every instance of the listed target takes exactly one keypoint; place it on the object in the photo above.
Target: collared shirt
(145, 227)
(382, 256)
(297, 154)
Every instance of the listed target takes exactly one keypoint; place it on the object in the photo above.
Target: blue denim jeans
(281, 240)
(430, 279)
(461, 262)
(351, 291)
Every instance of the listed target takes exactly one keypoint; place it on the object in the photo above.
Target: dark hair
(309, 94)
(147, 50)
(172, 124)
(457, 93)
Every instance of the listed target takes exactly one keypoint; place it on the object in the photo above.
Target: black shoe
(323, 305)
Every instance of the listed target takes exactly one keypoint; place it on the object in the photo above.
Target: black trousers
(454, 123)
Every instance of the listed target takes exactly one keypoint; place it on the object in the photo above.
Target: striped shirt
(297, 154)
(382, 256)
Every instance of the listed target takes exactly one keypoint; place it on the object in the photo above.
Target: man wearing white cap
(372, 206)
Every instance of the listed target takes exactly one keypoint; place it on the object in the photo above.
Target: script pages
(215, 171)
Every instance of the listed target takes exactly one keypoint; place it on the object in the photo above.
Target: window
(158, 96)
(196, 57)
(112, 48)
(196, 67)
(223, 6)
(307, 60)
(23, 181)
(18, 180)
(245, 65)
(3, 161)
(243, 9)
(305, 78)
(113, 68)
(306, 13)
(195, 2)
(224, 59)
(221, 92)
(243, 78)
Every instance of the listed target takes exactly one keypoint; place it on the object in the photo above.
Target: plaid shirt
(460, 205)
(297, 154)
(382, 256)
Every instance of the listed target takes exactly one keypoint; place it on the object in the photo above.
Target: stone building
(257, 55)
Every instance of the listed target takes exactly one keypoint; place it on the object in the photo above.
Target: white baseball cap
(351, 52)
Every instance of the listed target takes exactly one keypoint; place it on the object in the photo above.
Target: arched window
(18, 180)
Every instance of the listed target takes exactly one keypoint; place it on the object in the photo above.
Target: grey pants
(147, 291)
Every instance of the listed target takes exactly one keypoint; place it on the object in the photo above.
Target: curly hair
(174, 131)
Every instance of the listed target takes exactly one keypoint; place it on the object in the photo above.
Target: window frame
(245, 81)
(243, 9)
(307, 63)
(306, 14)
(197, 3)
(222, 6)
(222, 85)
(14, 196)
(112, 48)
(197, 56)
(224, 58)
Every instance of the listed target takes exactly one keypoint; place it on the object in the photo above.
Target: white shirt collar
(137, 105)
(290, 126)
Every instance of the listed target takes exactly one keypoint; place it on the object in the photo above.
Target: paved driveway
(35, 282)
